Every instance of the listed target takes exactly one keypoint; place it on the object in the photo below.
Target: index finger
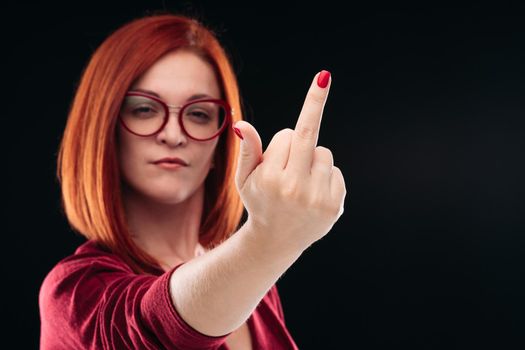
(306, 130)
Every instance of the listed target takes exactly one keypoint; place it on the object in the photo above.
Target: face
(175, 78)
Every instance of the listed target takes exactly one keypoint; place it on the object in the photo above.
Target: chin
(158, 195)
(173, 197)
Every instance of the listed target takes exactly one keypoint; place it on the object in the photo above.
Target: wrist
(272, 246)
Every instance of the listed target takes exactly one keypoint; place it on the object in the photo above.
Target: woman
(148, 174)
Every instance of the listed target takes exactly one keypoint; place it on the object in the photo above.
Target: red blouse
(93, 300)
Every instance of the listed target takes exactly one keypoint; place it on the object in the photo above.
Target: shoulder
(74, 291)
(82, 268)
(88, 255)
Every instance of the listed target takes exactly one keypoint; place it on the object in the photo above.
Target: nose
(172, 133)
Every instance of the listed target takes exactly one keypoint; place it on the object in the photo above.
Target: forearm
(216, 292)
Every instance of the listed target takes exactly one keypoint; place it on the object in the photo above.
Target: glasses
(202, 120)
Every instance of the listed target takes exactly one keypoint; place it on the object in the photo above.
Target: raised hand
(293, 193)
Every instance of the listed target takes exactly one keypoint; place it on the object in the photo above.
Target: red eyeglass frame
(223, 103)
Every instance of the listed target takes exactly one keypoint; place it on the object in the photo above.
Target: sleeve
(102, 305)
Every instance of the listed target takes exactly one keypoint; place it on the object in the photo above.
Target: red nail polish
(238, 132)
(323, 79)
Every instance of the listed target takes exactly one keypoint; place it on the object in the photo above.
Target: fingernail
(238, 132)
(323, 79)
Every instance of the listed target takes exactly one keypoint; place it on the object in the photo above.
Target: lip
(169, 166)
(171, 161)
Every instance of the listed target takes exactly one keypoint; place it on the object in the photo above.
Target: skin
(293, 194)
(164, 207)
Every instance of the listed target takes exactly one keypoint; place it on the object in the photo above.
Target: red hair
(87, 168)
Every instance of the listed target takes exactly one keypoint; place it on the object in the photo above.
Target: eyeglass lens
(145, 116)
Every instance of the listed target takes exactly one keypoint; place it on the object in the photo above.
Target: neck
(168, 232)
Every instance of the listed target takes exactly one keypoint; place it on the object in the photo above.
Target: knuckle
(323, 152)
(282, 134)
(285, 132)
(336, 209)
(305, 132)
(323, 160)
(291, 189)
(268, 178)
(317, 202)
(337, 172)
(339, 176)
(327, 208)
(323, 149)
(331, 211)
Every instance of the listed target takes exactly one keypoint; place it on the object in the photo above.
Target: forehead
(179, 74)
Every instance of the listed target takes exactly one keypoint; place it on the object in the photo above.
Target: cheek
(208, 155)
(127, 154)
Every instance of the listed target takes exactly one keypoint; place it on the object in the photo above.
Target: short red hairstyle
(88, 170)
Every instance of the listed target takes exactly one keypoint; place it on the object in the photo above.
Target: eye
(141, 107)
(145, 111)
(199, 114)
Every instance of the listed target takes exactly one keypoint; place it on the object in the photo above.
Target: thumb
(251, 152)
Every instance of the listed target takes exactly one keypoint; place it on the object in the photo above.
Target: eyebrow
(193, 97)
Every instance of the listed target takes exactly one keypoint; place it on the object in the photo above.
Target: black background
(424, 118)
